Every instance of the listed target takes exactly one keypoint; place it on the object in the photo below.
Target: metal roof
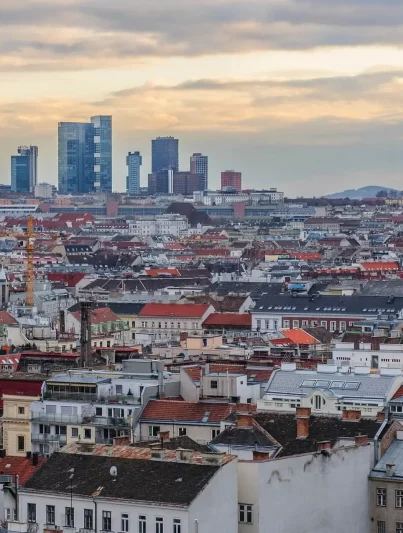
(392, 456)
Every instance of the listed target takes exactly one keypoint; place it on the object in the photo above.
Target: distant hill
(370, 191)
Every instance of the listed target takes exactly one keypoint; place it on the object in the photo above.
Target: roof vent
(113, 471)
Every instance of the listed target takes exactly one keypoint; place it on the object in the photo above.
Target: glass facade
(102, 152)
(133, 162)
(20, 174)
(76, 157)
(165, 154)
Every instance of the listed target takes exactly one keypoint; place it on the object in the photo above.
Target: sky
(302, 95)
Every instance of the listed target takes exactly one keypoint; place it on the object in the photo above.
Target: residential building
(43, 190)
(24, 169)
(169, 321)
(175, 225)
(128, 493)
(76, 157)
(187, 183)
(199, 165)
(328, 225)
(133, 162)
(164, 154)
(102, 130)
(231, 180)
(270, 196)
(16, 424)
(329, 391)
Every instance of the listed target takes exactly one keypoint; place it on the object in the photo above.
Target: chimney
(323, 445)
(161, 392)
(302, 415)
(351, 415)
(244, 420)
(163, 435)
(184, 456)
(380, 417)
(361, 440)
(124, 440)
(260, 456)
(35, 458)
(390, 470)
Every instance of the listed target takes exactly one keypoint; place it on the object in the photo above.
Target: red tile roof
(174, 310)
(7, 319)
(155, 272)
(398, 393)
(380, 265)
(205, 252)
(298, 336)
(186, 411)
(20, 466)
(228, 319)
(99, 315)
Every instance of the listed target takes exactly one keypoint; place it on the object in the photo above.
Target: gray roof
(392, 456)
(302, 382)
(67, 378)
(371, 306)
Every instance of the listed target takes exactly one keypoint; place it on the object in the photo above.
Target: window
(31, 512)
(343, 326)
(134, 323)
(323, 323)
(245, 513)
(332, 325)
(21, 410)
(381, 527)
(304, 323)
(286, 324)
(399, 527)
(69, 517)
(214, 384)
(399, 498)
(214, 433)
(88, 518)
(74, 432)
(381, 497)
(124, 523)
(119, 389)
(50, 515)
(159, 525)
(318, 402)
(182, 432)
(106, 520)
(153, 431)
(142, 524)
(20, 443)
(98, 411)
(177, 525)
(87, 433)
(295, 323)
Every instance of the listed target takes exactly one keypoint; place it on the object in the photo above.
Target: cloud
(72, 34)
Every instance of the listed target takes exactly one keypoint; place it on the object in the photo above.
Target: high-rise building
(231, 180)
(187, 183)
(133, 162)
(24, 169)
(76, 157)
(164, 154)
(102, 152)
(199, 165)
(159, 182)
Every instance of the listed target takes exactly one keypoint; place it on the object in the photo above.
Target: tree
(382, 194)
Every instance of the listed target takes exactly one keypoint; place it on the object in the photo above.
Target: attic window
(322, 384)
(308, 383)
(337, 385)
(352, 385)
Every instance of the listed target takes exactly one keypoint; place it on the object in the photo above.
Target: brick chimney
(244, 420)
(352, 415)
(302, 415)
(163, 435)
(361, 440)
(260, 456)
(323, 445)
(380, 417)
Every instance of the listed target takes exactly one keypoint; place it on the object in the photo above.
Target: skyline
(303, 95)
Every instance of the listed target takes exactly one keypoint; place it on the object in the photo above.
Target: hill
(370, 191)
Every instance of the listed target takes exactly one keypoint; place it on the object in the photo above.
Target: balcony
(86, 420)
(47, 437)
(91, 397)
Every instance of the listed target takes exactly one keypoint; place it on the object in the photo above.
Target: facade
(231, 180)
(328, 225)
(270, 196)
(164, 154)
(159, 225)
(43, 190)
(199, 165)
(102, 153)
(76, 157)
(187, 183)
(133, 162)
(24, 169)
(16, 424)
(159, 182)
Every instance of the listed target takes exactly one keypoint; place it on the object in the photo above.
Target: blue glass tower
(102, 152)
(133, 162)
(20, 173)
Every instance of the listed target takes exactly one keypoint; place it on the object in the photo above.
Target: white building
(272, 196)
(388, 356)
(43, 190)
(79, 492)
(169, 224)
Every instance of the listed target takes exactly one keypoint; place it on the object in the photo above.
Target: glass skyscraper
(102, 152)
(76, 157)
(199, 165)
(133, 162)
(164, 154)
(24, 169)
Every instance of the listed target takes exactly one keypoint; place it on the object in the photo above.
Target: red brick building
(231, 180)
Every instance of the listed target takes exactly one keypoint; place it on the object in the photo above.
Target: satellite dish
(113, 471)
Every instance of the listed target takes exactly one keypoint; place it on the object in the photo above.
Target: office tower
(159, 182)
(164, 154)
(76, 157)
(199, 165)
(187, 183)
(24, 169)
(102, 152)
(231, 180)
(133, 162)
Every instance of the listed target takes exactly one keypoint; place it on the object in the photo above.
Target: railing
(55, 418)
(91, 397)
(48, 437)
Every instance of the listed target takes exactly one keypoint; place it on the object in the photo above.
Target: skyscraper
(165, 154)
(133, 162)
(159, 182)
(76, 157)
(231, 180)
(199, 165)
(102, 152)
(187, 183)
(24, 169)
